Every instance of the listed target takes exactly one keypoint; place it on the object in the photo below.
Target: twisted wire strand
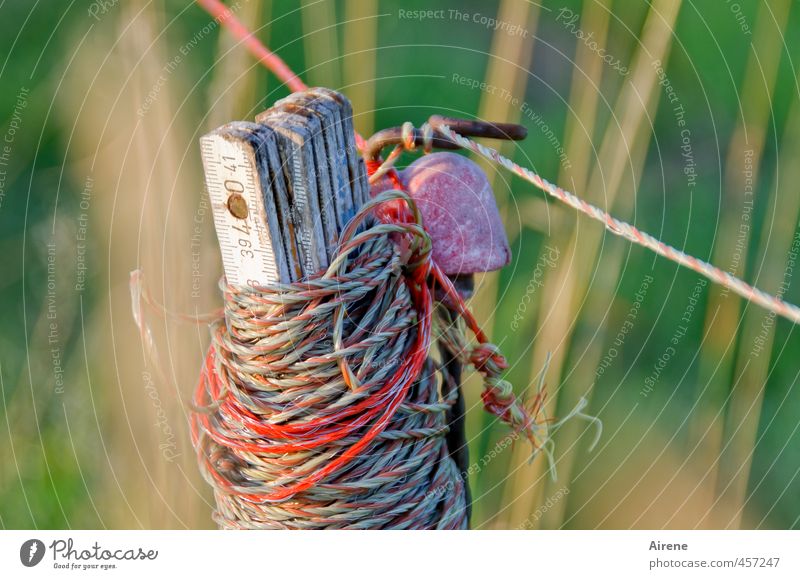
(616, 226)
(628, 231)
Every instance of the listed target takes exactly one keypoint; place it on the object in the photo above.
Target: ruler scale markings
(325, 187)
(347, 133)
(350, 200)
(355, 163)
(297, 162)
(231, 170)
(362, 179)
(275, 196)
(260, 140)
(319, 173)
(295, 104)
(328, 113)
(345, 197)
(283, 189)
(281, 195)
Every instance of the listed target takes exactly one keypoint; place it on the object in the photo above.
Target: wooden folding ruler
(282, 189)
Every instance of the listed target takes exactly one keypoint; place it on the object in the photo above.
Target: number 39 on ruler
(251, 253)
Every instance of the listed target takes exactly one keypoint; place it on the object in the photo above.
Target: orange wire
(225, 16)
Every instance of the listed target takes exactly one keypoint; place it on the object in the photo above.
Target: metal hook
(471, 128)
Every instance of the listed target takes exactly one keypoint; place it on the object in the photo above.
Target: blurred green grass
(44, 484)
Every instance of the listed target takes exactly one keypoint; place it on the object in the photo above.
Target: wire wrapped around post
(323, 403)
(319, 405)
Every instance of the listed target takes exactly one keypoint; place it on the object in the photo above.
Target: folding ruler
(282, 189)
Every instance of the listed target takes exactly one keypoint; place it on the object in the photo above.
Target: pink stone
(458, 212)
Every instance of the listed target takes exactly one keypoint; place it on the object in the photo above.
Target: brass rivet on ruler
(237, 206)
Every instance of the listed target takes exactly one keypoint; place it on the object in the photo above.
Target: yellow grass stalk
(728, 507)
(508, 68)
(757, 336)
(360, 42)
(147, 194)
(567, 284)
(579, 130)
(235, 80)
(320, 43)
(723, 323)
